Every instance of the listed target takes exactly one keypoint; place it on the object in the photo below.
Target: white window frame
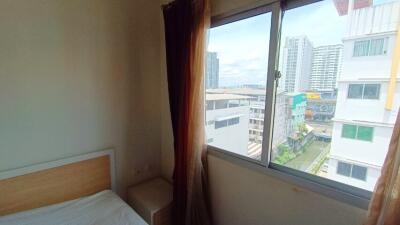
(339, 191)
(384, 47)
(351, 171)
(362, 92)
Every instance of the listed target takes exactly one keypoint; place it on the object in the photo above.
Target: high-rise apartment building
(296, 63)
(368, 95)
(212, 70)
(325, 68)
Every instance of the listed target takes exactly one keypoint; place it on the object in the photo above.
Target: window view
(338, 97)
(236, 74)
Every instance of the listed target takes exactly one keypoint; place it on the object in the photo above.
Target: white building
(257, 114)
(227, 116)
(364, 120)
(325, 68)
(296, 63)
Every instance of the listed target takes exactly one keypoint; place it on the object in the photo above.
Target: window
(233, 121)
(371, 91)
(363, 91)
(359, 172)
(240, 52)
(365, 133)
(357, 132)
(344, 169)
(221, 104)
(350, 170)
(355, 91)
(349, 131)
(369, 47)
(297, 85)
(361, 48)
(220, 124)
(209, 105)
(226, 122)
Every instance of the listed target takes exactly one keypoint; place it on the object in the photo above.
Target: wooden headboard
(56, 181)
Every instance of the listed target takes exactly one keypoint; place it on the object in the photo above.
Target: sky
(242, 46)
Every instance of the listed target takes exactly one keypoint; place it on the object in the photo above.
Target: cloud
(242, 46)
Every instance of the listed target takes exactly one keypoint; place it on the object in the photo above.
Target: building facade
(325, 68)
(212, 70)
(296, 63)
(366, 107)
(227, 116)
(321, 105)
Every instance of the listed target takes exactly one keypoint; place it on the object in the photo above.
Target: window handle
(277, 76)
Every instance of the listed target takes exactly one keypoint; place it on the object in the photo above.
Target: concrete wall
(373, 174)
(79, 76)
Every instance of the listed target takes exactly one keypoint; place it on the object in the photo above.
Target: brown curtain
(186, 23)
(384, 208)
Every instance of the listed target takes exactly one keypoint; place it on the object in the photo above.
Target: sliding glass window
(312, 109)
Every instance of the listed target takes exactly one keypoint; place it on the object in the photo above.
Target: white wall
(79, 76)
(373, 174)
(361, 151)
(241, 196)
(361, 110)
(367, 67)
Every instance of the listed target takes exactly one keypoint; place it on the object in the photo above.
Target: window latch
(277, 76)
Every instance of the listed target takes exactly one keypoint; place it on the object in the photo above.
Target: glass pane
(376, 47)
(355, 91)
(236, 76)
(349, 131)
(359, 172)
(365, 133)
(323, 99)
(344, 169)
(371, 91)
(220, 124)
(361, 48)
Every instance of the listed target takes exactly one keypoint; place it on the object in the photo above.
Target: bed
(71, 191)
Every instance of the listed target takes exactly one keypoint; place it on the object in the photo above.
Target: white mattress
(103, 208)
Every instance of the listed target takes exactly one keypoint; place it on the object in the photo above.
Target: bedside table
(152, 200)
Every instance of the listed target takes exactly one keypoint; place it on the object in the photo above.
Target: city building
(296, 110)
(256, 117)
(227, 115)
(368, 95)
(325, 68)
(212, 70)
(320, 105)
(296, 63)
(295, 113)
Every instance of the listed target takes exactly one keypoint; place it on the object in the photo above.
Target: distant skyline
(243, 46)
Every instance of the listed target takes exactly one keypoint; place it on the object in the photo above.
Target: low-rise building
(227, 115)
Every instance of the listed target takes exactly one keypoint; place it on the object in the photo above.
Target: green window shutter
(349, 131)
(365, 133)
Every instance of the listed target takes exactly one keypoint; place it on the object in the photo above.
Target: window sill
(332, 189)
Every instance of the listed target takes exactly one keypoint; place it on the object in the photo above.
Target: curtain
(186, 23)
(384, 208)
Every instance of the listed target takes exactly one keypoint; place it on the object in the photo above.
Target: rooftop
(213, 97)
(243, 91)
